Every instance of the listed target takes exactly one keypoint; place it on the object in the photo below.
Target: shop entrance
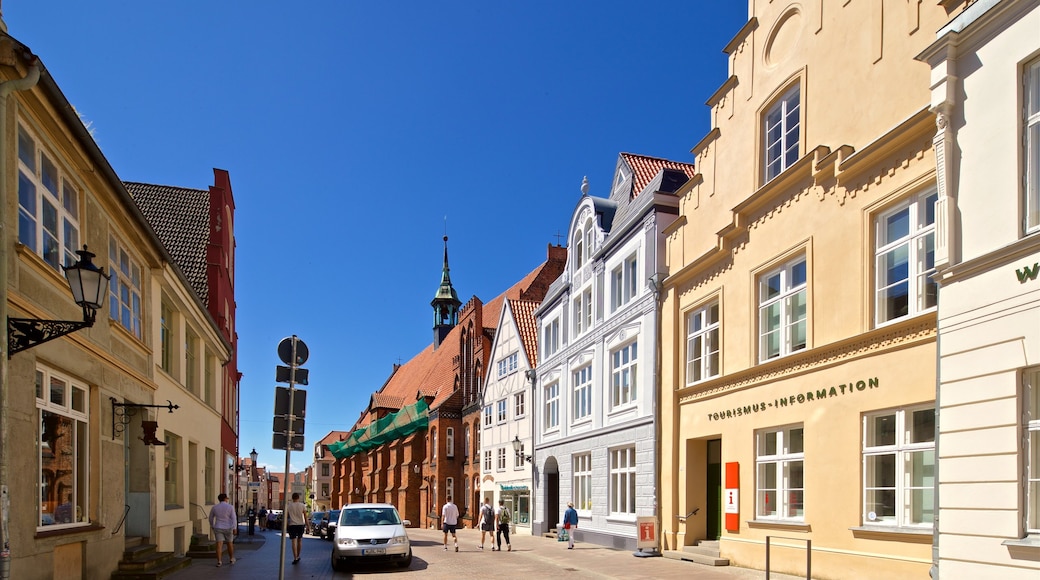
(713, 485)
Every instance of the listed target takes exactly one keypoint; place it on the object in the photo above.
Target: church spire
(445, 304)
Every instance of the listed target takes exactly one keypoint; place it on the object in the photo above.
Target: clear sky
(357, 133)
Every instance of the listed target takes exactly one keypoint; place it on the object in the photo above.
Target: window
(62, 445)
(191, 365)
(208, 379)
(905, 259)
(507, 365)
(552, 337)
(487, 460)
(552, 406)
(466, 441)
(449, 487)
(519, 404)
(166, 336)
(211, 458)
(502, 411)
(702, 343)
(324, 490)
(579, 249)
(583, 392)
(501, 458)
(325, 470)
(781, 310)
(48, 205)
(465, 494)
(583, 312)
(623, 481)
(899, 467)
(583, 482)
(487, 415)
(172, 471)
(779, 474)
(449, 442)
(781, 134)
(124, 296)
(518, 457)
(1032, 146)
(624, 282)
(623, 375)
(433, 450)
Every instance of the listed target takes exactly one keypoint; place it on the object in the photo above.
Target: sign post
(647, 540)
(289, 413)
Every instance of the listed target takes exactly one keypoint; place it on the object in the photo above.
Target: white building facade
(986, 93)
(596, 387)
(505, 472)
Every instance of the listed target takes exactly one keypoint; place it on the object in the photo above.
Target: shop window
(779, 474)
(62, 443)
(899, 467)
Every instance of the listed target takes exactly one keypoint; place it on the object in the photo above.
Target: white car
(371, 532)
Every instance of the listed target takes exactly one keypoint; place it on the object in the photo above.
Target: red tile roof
(645, 168)
(527, 326)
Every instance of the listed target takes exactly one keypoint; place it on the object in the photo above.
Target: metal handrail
(683, 518)
(808, 554)
(196, 525)
(120, 525)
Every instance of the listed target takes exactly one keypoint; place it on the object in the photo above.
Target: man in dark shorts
(296, 520)
(449, 521)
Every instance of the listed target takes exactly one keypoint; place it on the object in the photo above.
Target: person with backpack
(487, 523)
(503, 518)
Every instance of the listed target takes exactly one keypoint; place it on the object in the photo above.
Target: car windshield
(370, 516)
(334, 516)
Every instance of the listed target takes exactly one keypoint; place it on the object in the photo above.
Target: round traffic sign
(285, 351)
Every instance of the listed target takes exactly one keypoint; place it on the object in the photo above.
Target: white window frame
(552, 337)
(904, 261)
(622, 483)
(124, 288)
(781, 134)
(780, 473)
(1031, 429)
(487, 416)
(518, 457)
(487, 460)
(583, 482)
(903, 449)
(624, 282)
(782, 288)
(449, 442)
(503, 411)
(67, 401)
(703, 350)
(582, 401)
(519, 404)
(508, 365)
(583, 312)
(552, 406)
(48, 204)
(501, 463)
(1031, 146)
(624, 375)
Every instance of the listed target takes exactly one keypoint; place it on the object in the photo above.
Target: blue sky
(355, 133)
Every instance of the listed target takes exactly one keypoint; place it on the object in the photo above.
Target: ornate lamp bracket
(122, 412)
(25, 333)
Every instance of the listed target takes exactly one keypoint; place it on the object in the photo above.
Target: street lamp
(252, 456)
(88, 284)
(517, 445)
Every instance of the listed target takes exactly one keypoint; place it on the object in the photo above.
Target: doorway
(552, 494)
(713, 485)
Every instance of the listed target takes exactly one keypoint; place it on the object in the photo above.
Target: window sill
(621, 518)
(896, 533)
(1031, 541)
(49, 533)
(788, 525)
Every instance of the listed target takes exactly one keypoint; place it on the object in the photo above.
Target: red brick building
(436, 397)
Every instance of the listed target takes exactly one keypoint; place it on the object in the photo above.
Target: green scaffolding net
(392, 427)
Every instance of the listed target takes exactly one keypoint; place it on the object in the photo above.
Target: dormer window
(623, 176)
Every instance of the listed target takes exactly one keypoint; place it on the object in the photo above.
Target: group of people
(496, 522)
(224, 523)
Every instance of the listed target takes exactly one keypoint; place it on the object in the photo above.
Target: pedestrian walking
(502, 519)
(296, 520)
(486, 523)
(449, 521)
(570, 522)
(224, 523)
(263, 518)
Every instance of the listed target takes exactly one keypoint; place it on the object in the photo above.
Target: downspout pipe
(32, 76)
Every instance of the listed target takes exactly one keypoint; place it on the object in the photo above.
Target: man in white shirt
(449, 521)
(296, 524)
(223, 522)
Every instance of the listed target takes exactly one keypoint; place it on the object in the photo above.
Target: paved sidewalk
(257, 557)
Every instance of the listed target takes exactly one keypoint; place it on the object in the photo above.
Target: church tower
(445, 304)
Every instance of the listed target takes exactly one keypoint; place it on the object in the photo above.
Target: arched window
(579, 245)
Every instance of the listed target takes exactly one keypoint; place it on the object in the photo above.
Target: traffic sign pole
(296, 355)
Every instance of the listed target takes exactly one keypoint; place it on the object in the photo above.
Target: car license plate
(373, 551)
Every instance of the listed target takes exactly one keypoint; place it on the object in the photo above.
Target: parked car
(328, 524)
(274, 519)
(316, 518)
(371, 532)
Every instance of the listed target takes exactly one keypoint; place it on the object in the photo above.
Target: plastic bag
(563, 535)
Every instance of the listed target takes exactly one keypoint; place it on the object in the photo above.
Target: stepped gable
(180, 218)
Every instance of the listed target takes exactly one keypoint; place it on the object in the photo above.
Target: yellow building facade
(798, 366)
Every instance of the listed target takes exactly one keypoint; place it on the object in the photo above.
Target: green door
(714, 488)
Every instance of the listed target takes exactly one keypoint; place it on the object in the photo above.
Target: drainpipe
(32, 76)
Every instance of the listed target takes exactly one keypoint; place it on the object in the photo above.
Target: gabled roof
(645, 168)
(332, 437)
(527, 327)
(180, 217)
